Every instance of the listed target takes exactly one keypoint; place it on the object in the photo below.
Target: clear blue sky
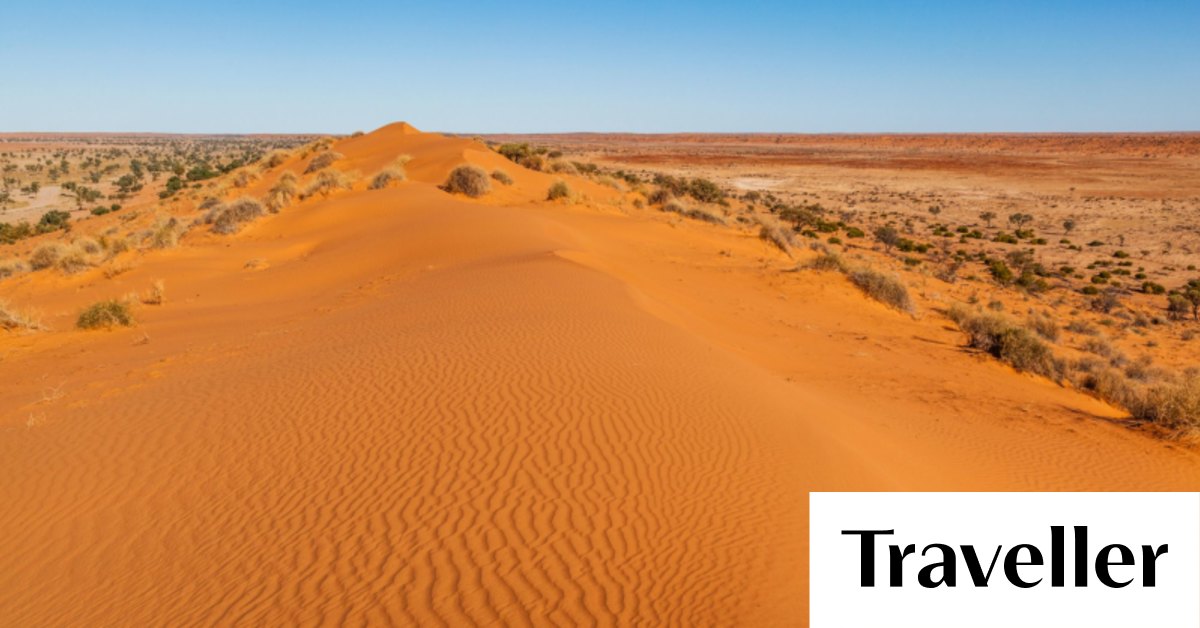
(328, 66)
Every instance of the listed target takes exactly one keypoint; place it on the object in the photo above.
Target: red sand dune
(431, 410)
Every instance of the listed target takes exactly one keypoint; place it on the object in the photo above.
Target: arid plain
(582, 380)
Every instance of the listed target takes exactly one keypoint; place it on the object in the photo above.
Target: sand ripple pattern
(454, 452)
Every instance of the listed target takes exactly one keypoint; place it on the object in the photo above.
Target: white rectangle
(993, 524)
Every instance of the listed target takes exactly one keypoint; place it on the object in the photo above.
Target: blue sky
(526, 66)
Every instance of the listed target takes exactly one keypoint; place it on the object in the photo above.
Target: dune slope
(424, 409)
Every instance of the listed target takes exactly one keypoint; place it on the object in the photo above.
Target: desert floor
(420, 408)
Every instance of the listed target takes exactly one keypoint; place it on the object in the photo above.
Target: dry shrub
(74, 259)
(106, 315)
(322, 161)
(157, 294)
(827, 260)
(773, 231)
(119, 267)
(660, 196)
(387, 178)
(87, 245)
(12, 319)
(165, 234)
(1102, 347)
(232, 216)
(502, 176)
(563, 167)
(468, 179)
(326, 182)
(677, 206)
(10, 267)
(885, 288)
(1173, 405)
(46, 255)
(533, 162)
(275, 158)
(559, 189)
(1009, 342)
(114, 246)
(1043, 324)
(242, 178)
(610, 182)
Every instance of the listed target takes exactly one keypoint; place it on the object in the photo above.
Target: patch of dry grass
(228, 218)
(321, 161)
(326, 182)
(13, 319)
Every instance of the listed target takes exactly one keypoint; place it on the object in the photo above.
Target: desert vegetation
(105, 315)
(469, 180)
(229, 218)
(326, 182)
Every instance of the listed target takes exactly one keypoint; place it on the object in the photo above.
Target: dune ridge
(430, 410)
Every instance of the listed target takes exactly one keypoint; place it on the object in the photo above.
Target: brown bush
(325, 183)
(387, 178)
(559, 189)
(468, 179)
(677, 206)
(229, 217)
(321, 161)
(885, 288)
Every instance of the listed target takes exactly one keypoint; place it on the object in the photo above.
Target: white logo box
(1141, 522)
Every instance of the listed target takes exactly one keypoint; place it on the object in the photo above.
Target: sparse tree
(987, 217)
(1069, 225)
(888, 236)
(1019, 220)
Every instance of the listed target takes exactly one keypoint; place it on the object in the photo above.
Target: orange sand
(432, 410)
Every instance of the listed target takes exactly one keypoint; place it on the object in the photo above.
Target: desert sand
(419, 408)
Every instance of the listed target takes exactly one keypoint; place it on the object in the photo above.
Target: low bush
(10, 267)
(773, 231)
(12, 319)
(387, 178)
(46, 255)
(502, 177)
(469, 180)
(281, 194)
(321, 161)
(677, 206)
(885, 288)
(560, 189)
(230, 217)
(1009, 342)
(827, 260)
(105, 315)
(325, 183)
